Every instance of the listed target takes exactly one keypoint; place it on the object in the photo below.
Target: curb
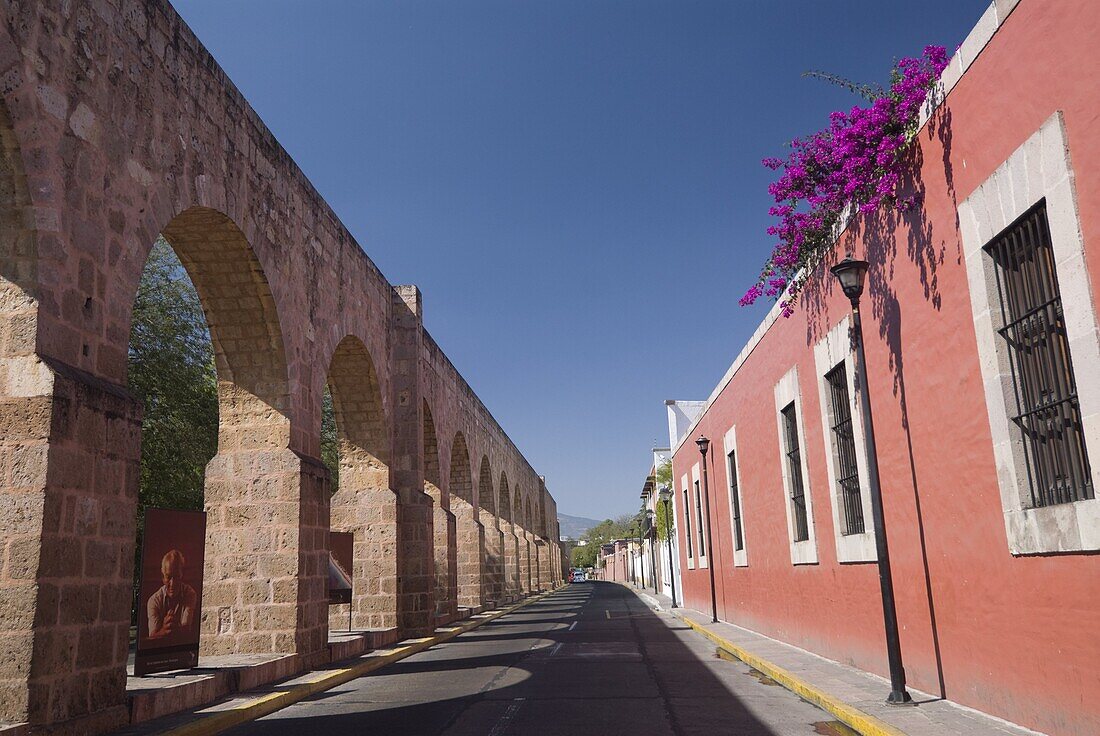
(865, 723)
(268, 703)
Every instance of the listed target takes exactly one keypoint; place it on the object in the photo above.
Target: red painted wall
(1017, 637)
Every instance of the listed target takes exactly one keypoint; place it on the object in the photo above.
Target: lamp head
(665, 494)
(703, 443)
(851, 275)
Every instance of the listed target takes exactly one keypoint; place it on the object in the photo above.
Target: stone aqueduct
(117, 126)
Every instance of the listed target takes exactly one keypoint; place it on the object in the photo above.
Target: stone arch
(511, 540)
(493, 561)
(443, 521)
(534, 565)
(364, 504)
(521, 523)
(470, 536)
(544, 544)
(504, 507)
(253, 389)
(254, 481)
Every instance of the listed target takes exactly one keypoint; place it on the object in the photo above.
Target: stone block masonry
(140, 134)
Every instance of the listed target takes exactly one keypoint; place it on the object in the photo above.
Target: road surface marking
(572, 626)
(506, 717)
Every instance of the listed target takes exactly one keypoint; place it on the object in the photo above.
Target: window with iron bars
(847, 470)
(1047, 413)
(687, 523)
(699, 517)
(735, 502)
(794, 470)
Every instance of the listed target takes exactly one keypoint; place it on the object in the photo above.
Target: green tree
(606, 531)
(663, 476)
(583, 555)
(171, 371)
(330, 445)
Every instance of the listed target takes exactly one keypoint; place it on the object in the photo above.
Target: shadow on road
(590, 659)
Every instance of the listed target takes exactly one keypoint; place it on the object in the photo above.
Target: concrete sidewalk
(852, 695)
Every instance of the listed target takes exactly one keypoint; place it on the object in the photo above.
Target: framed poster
(170, 594)
(341, 554)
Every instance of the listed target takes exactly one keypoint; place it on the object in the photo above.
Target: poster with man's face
(170, 595)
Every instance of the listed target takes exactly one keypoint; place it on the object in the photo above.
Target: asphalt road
(590, 659)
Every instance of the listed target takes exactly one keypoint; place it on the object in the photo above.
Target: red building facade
(990, 500)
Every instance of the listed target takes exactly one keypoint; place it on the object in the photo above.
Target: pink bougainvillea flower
(856, 162)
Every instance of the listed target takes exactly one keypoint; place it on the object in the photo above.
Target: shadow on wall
(927, 249)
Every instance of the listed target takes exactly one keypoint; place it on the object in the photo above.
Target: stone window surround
(833, 349)
(1039, 169)
(786, 391)
(729, 444)
(700, 531)
(689, 547)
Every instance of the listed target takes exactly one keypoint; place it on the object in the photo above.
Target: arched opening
(470, 536)
(494, 537)
(230, 371)
(532, 546)
(543, 545)
(363, 503)
(511, 542)
(443, 522)
(519, 523)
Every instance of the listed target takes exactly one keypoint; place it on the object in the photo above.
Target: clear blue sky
(575, 185)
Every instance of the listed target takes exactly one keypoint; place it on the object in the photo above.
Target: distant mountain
(572, 527)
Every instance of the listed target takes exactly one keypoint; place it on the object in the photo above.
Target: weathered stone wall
(117, 126)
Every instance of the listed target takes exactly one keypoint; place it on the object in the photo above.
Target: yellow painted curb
(863, 722)
(268, 703)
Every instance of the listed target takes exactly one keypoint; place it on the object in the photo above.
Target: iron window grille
(699, 516)
(687, 523)
(844, 436)
(1047, 412)
(794, 470)
(735, 502)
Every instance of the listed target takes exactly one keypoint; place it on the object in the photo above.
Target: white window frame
(833, 349)
(1038, 169)
(700, 511)
(689, 546)
(729, 444)
(787, 391)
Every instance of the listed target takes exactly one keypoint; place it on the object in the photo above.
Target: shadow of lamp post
(851, 274)
(704, 444)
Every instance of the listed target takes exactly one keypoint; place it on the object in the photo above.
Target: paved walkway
(931, 716)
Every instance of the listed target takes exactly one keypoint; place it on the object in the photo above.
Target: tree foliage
(330, 444)
(171, 371)
(606, 531)
(663, 475)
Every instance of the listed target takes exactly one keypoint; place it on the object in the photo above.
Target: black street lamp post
(630, 554)
(651, 519)
(851, 274)
(666, 497)
(704, 445)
